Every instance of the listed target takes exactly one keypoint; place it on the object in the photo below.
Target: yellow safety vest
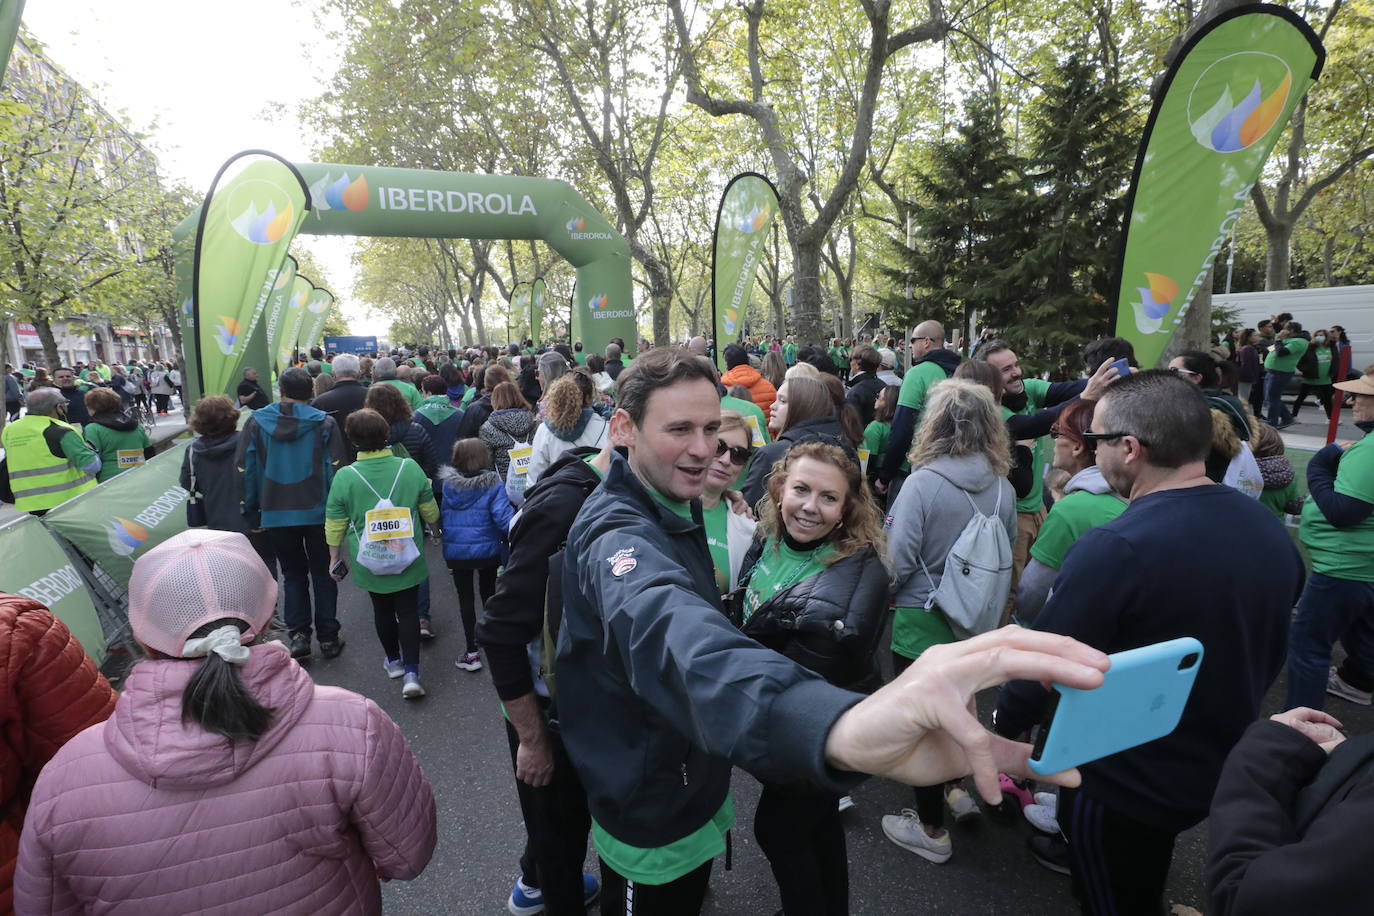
(39, 479)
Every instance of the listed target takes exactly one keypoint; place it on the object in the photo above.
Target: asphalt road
(457, 732)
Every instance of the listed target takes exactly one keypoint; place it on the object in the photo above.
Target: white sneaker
(394, 668)
(470, 661)
(906, 831)
(412, 688)
(1336, 686)
(846, 802)
(1048, 799)
(1042, 818)
(961, 804)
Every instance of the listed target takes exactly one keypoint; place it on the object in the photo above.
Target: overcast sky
(202, 74)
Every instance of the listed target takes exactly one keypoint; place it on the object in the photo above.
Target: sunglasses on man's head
(738, 453)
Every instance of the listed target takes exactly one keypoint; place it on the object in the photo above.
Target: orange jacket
(761, 391)
(49, 691)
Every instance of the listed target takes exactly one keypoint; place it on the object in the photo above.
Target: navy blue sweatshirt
(1170, 566)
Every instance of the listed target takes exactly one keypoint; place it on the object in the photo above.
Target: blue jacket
(476, 515)
(288, 454)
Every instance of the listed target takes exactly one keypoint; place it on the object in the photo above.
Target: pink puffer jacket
(147, 816)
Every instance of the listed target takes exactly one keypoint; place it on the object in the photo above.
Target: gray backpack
(973, 591)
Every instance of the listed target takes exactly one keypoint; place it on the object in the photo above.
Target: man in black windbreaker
(658, 694)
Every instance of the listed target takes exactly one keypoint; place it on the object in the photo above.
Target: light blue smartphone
(1141, 699)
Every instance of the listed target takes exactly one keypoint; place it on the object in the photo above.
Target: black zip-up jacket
(830, 622)
(863, 392)
(1289, 827)
(658, 692)
(474, 415)
(824, 429)
(514, 616)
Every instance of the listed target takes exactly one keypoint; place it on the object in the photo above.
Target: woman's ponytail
(216, 700)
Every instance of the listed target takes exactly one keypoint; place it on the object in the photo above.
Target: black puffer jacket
(829, 623)
(417, 442)
(825, 429)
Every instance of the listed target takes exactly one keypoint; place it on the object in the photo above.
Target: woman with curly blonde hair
(959, 466)
(816, 592)
(569, 422)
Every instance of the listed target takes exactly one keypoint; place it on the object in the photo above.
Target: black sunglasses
(738, 453)
(1089, 436)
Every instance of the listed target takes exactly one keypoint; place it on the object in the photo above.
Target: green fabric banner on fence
(37, 567)
(1217, 115)
(121, 519)
(247, 224)
(747, 210)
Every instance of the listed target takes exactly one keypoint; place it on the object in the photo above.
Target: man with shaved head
(930, 363)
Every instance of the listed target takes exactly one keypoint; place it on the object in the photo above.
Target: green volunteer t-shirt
(789, 354)
(780, 567)
(916, 386)
(1068, 520)
(119, 449)
(1276, 363)
(914, 630)
(717, 538)
(876, 435)
(749, 409)
(1345, 553)
(683, 510)
(1323, 366)
(662, 864)
(1037, 390)
(412, 394)
(327, 368)
(580, 358)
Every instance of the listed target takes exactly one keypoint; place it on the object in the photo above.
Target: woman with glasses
(1088, 501)
(816, 591)
(728, 533)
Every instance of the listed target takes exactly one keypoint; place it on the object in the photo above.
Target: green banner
(247, 224)
(316, 314)
(118, 521)
(183, 250)
(1219, 112)
(11, 13)
(296, 314)
(519, 309)
(37, 567)
(278, 307)
(538, 293)
(747, 210)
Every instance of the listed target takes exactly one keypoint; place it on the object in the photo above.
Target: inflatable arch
(229, 253)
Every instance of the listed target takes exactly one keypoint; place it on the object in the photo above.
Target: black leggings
(486, 586)
(800, 832)
(162, 402)
(930, 800)
(680, 897)
(398, 623)
(1323, 393)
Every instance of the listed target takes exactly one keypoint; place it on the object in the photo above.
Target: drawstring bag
(518, 473)
(386, 545)
(977, 578)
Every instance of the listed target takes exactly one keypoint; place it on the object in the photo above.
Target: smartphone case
(1141, 699)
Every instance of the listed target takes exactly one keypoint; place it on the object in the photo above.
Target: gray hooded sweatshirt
(930, 513)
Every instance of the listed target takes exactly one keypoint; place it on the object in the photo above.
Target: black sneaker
(1051, 852)
(332, 649)
(300, 645)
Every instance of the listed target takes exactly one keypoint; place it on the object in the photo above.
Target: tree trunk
(45, 336)
(1329, 260)
(1278, 256)
(806, 292)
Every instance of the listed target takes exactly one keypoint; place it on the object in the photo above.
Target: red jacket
(49, 691)
(761, 391)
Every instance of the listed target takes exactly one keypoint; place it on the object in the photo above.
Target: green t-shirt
(749, 409)
(410, 391)
(1345, 553)
(780, 567)
(663, 864)
(1323, 366)
(580, 358)
(350, 499)
(326, 368)
(914, 630)
(916, 386)
(789, 354)
(683, 510)
(119, 450)
(1036, 391)
(718, 539)
(1276, 498)
(876, 435)
(468, 395)
(1296, 348)
(1068, 520)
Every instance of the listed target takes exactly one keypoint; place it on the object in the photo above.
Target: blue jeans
(304, 558)
(1274, 383)
(1329, 609)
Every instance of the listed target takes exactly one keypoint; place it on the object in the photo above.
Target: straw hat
(1362, 385)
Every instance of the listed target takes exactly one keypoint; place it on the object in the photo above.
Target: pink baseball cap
(195, 578)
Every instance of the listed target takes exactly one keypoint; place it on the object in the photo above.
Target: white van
(1351, 307)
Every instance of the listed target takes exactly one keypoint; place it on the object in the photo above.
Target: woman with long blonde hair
(817, 593)
(959, 466)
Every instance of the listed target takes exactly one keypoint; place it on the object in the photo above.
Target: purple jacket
(146, 815)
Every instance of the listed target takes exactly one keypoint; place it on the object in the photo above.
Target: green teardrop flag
(519, 304)
(747, 210)
(277, 308)
(296, 313)
(11, 12)
(316, 314)
(538, 292)
(247, 223)
(1217, 116)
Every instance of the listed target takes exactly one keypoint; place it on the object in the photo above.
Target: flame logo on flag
(263, 227)
(1238, 111)
(756, 220)
(577, 224)
(125, 536)
(227, 334)
(1156, 298)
